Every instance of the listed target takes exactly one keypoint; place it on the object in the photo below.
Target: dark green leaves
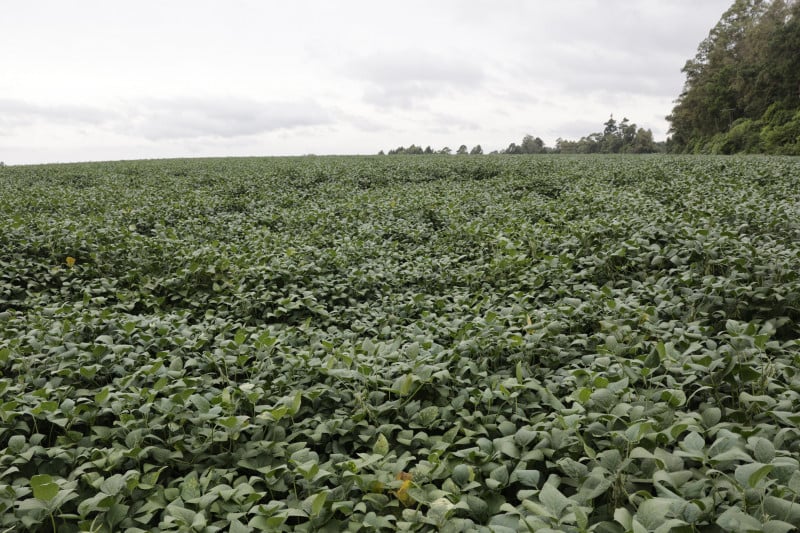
(364, 343)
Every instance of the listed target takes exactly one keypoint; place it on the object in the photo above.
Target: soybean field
(411, 343)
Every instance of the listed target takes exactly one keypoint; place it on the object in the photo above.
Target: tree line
(742, 88)
(616, 138)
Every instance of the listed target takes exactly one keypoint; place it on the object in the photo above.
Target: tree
(610, 126)
(446, 150)
(745, 74)
(462, 150)
(476, 150)
(428, 150)
(627, 131)
(642, 142)
(532, 145)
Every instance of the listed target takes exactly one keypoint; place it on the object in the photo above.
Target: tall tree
(749, 63)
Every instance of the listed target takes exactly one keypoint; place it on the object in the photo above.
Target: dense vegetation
(742, 91)
(617, 138)
(368, 344)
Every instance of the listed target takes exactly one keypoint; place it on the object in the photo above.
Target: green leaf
(693, 442)
(500, 475)
(653, 513)
(583, 394)
(266, 523)
(749, 475)
(528, 478)
(711, 416)
(44, 488)
(238, 527)
(32, 504)
(595, 485)
(763, 450)
(506, 446)
(734, 454)
(523, 437)
(554, 500)
(297, 400)
(777, 526)
(116, 514)
(736, 521)
(381, 446)
(623, 517)
(101, 396)
(184, 515)
(16, 443)
(113, 485)
(428, 415)
(405, 385)
(780, 509)
(463, 474)
(190, 488)
(318, 503)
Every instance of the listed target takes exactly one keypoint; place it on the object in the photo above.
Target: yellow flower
(70, 261)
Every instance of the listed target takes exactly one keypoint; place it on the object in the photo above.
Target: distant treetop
(617, 138)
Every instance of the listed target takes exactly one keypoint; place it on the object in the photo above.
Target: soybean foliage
(374, 344)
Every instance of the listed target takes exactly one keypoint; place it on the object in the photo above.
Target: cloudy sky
(98, 80)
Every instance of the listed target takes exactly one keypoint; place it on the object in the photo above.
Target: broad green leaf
(16, 443)
(381, 446)
(405, 385)
(736, 521)
(711, 416)
(749, 475)
(112, 485)
(777, 526)
(528, 478)
(694, 443)
(652, 513)
(44, 488)
(784, 510)
(554, 500)
(428, 415)
(763, 450)
(318, 503)
(297, 400)
(116, 514)
(463, 474)
(500, 475)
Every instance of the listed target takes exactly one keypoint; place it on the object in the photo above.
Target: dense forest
(742, 90)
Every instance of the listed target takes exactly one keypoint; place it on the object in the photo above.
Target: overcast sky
(98, 80)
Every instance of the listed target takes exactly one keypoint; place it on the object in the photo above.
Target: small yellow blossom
(70, 261)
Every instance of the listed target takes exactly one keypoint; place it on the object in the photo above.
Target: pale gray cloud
(581, 69)
(410, 77)
(187, 118)
(16, 113)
